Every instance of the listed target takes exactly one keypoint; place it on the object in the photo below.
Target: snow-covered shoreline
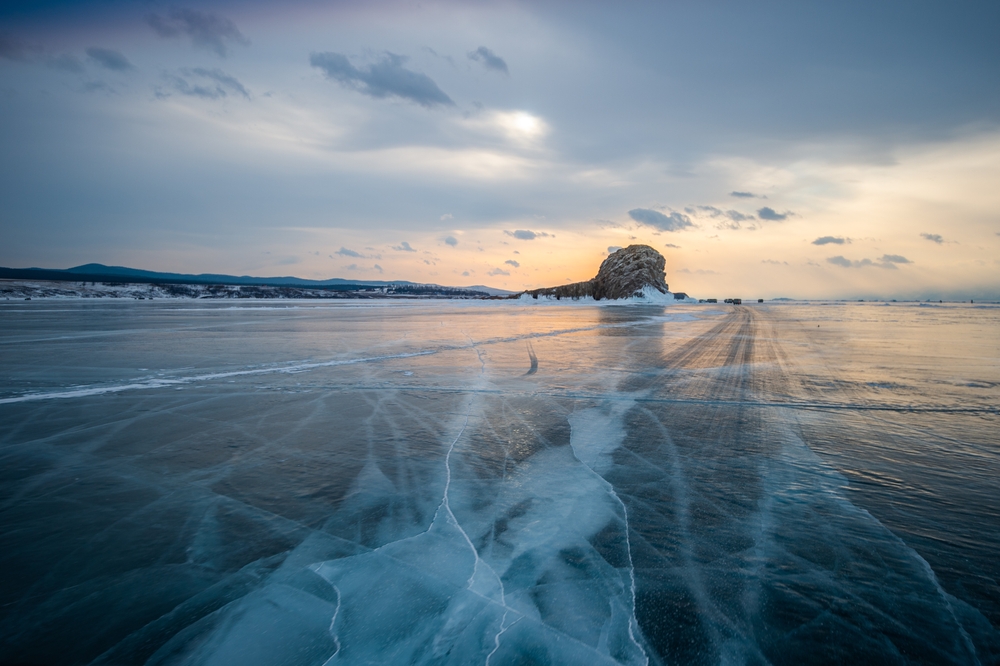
(51, 289)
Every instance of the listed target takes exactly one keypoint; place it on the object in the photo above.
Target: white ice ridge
(595, 434)
(293, 367)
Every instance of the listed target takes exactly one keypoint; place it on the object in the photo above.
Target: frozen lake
(489, 482)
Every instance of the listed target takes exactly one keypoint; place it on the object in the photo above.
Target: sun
(525, 123)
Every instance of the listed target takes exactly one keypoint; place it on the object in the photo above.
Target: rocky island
(627, 272)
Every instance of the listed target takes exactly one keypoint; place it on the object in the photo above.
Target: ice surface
(493, 483)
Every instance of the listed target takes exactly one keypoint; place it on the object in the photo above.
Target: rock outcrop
(625, 273)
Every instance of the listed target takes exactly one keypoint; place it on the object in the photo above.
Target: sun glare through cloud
(520, 123)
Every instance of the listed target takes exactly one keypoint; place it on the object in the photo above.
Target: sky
(767, 149)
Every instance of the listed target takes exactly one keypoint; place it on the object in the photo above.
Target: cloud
(434, 53)
(712, 211)
(731, 218)
(109, 59)
(934, 238)
(377, 267)
(498, 271)
(774, 262)
(13, 49)
(613, 248)
(213, 84)
(840, 260)
(513, 263)
(671, 245)
(673, 222)
(222, 79)
(385, 78)
(403, 247)
(743, 195)
(344, 252)
(489, 59)
(447, 216)
(450, 240)
(527, 234)
(65, 62)
(700, 271)
(827, 240)
(895, 259)
(766, 213)
(206, 30)
(886, 261)
(465, 273)
(98, 86)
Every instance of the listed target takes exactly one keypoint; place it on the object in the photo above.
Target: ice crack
(590, 454)
(333, 621)
(450, 516)
(503, 629)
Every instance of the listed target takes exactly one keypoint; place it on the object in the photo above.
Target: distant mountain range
(102, 273)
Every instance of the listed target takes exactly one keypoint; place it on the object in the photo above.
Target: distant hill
(102, 273)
